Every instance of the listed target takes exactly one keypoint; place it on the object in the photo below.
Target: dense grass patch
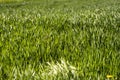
(60, 43)
(8, 1)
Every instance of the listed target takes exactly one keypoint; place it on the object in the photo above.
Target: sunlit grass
(45, 43)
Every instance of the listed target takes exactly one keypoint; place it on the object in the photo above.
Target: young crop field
(59, 39)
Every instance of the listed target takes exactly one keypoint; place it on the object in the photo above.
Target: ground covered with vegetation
(60, 40)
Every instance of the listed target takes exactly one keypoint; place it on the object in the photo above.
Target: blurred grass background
(8, 1)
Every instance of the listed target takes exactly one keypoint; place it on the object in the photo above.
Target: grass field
(60, 40)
